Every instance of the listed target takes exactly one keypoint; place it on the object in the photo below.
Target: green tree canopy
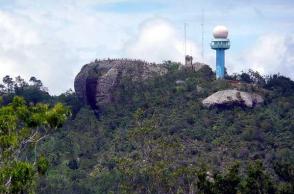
(23, 127)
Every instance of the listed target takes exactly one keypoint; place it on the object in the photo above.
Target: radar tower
(220, 43)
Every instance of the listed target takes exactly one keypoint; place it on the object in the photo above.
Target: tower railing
(220, 44)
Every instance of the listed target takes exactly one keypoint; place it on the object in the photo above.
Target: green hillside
(156, 137)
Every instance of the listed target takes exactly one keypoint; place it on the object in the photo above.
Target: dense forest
(156, 137)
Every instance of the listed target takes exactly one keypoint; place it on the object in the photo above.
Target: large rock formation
(232, 97)
(97, 81)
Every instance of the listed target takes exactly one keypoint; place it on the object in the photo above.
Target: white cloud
(25, 51)
(53, 44)
(271, 54)
(159, 40)
(53, 39)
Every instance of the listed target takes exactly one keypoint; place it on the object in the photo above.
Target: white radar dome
(220, 32)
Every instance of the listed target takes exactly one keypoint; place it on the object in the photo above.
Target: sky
(53, 39)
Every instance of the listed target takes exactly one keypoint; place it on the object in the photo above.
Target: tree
(205, 181)
(285, 171)
(245, 77)
(257, 181)
(38, 84)
(282, 85)
(8, 81)
(2, 89)
(256, 77)
(19, 84)
(22, 127)
(228, 183)
(69, 98)
(171, 65)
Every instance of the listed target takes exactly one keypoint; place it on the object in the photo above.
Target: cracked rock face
(96, 81)
(233, 97)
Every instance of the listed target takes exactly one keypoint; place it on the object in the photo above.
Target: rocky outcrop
(194, 67)
(97, 81)
(231, 98)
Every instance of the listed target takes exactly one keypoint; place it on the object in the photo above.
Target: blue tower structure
(220, 43)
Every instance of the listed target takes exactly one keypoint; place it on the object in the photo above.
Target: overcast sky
(53, 39)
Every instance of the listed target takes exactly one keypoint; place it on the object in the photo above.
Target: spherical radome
(220, 32)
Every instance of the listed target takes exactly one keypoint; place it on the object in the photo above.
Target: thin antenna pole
(185, 29)
(202, 31)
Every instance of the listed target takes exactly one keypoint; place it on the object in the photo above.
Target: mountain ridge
(157, 137)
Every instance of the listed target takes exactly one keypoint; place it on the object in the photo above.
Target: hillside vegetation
(156, 137)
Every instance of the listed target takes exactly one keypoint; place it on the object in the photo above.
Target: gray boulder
(233, 97)
(97, 81)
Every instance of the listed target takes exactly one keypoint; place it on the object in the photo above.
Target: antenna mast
(202, 31)
(185, 29)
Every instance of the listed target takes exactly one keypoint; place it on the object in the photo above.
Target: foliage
(257, 181)
(71, 100)
(34, 92)
(228, 183)
(22, 126)
(156, 137)
(42, 165)
(282, 85)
